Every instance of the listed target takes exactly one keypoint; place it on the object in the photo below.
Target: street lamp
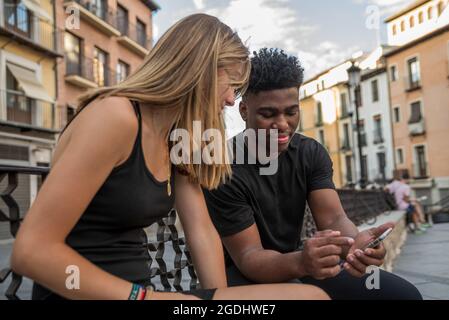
(355, 78)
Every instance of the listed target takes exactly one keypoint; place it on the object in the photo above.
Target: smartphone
(373, 243)
(377, 241)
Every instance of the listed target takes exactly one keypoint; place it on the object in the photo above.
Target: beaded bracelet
(134, 295)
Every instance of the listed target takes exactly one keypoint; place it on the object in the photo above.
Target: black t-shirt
(276, 203)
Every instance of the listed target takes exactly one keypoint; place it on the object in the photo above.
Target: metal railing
(26, 26)
(345, 145)
(360, 206)
(420, 170)
(90, 69)
(167, 236)
(378, 137)
(412, 84)
(104, 13)
(133, 32)
(25, 110)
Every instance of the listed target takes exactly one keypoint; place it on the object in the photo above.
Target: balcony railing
(420, 170)
(378, 137)
(417, 128)
(29, 29)
(319, 122)
(345, 145)
(345, 113)
(363, 142)
(92, 72)
(24, 110)
(412, 84)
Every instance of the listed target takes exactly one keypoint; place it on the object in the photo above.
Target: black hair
(273, 69)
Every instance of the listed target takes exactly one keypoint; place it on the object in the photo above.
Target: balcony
(345, 113)
(378, 137)
(88, 73)
(30, 29)
(133, 38)
(319, 122)
(345, 145)
(420, 170)
(363, 142)
(26, 112)
(412, 85)
(417, 128)
(101, 18)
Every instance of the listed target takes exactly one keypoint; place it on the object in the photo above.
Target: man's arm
(319, 258)
(329, 214)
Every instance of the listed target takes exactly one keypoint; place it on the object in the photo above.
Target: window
(402, 26)
(375, 90)
(70, 113)
(399, 156)
(362, 133)
(344, 104)
(122, 20)
(346, 136)
(420, 17)
(365, 168)
(395, 30)
(440, 8)
(430, 13)
(412, 21)
(322, 139)
(319, 114)
(394, 73)
(397, 114)
(414, 73)
(416, 115)
(17, 17)
(100, 67)
(348, 169)
(141, 33)
(72, 49)
(381, 164)
(100, 8)
(378, 135)
(420, 166)
(18, 106)
(122, 71)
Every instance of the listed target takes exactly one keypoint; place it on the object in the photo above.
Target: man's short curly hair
(273, 69)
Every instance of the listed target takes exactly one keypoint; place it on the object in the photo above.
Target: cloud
(199, 4)
(327, 54)
(386, 7)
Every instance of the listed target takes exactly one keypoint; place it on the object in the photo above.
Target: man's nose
(281, 124)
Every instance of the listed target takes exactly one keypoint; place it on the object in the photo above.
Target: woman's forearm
(63, 271)
(207, 254)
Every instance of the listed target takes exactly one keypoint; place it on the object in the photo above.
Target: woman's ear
(243, 108)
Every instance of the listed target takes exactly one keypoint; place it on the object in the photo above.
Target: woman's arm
(202, 237)
(94, 148)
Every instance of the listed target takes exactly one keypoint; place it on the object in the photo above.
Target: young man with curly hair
(259, 217)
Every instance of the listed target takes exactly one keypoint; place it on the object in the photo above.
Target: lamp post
(355, 77)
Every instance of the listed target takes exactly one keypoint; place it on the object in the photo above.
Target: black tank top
(110, 233)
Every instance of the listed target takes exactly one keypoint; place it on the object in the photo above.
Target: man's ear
(243, 108)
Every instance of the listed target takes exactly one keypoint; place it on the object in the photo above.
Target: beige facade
(111, 41)
(419, 91)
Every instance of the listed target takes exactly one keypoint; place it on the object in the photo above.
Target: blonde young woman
(111, 176)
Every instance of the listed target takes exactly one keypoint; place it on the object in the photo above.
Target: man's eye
(267, 114)
(292, 113)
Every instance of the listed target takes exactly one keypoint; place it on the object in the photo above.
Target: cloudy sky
(320, 32)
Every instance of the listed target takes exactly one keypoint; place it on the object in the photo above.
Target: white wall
(419, 30)
(367, 112)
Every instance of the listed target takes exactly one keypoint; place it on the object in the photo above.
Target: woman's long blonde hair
(181, 72)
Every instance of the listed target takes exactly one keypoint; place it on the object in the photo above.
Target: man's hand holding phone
(362, 253)
(321, 254)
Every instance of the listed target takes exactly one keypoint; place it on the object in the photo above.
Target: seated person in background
(259, 217)
(415, 214)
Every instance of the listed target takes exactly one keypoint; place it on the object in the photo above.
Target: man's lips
(283, 139)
